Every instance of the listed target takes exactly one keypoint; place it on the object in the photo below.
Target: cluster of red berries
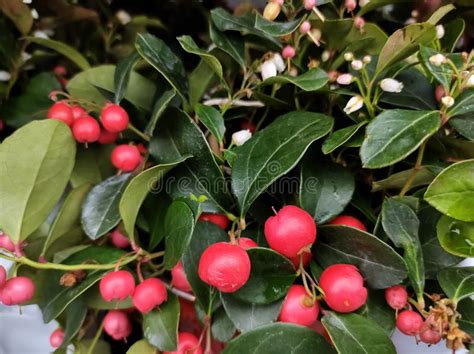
(15, 291)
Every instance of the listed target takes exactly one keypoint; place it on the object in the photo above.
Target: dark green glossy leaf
(423, 177)
(453, 32)
(377, 310)
(271, 275)
(463, 104)
(457, 283)
(274, 28)
(222, 327)
(441, 73)
(212, 119)
(230, 43)
(160, 326)
(75, 316)
(456, 237)
(122, 75)
(160, 106)
(92, 165)
(464, 125)
(311, 80)
(339, 137)
(394, 134)
(100, 210)
(200, 80)
(381, 266)
(155, 208)
(352, 333)
(466, 309)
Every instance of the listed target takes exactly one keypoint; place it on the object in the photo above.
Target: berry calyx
(56, 338)
(117, 324)
(126, 157)
(17, 291)
(78, 111)
(117, 285)
(247, 243)
(188, 343)
(288, 52)
(299, 307)
(396, 297)
(224, 266)
(306, 259)
(149, 294)
(409, 322)
(220, 220)
(114, 118)
(86, 129)
(6, 243)
(118, 239)
(343, 287)
(178, 278)
(348, 220)
(3, 276)
(61, 111)
(429, 335)
(290, 231)
(107, 137)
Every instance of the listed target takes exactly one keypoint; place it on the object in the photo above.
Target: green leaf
(375, 4)
(273, 151)
(463, 104)
(19, 13)
(454, 31)
(100, 210)
(457, 283)
(92, 165)
(464, 125)
(466, 309)
(248, 316)
(452, 191)
(311, 80)
(178, 230)
(423, 177)
(160, 106)
(141, 347)
(160, 326)
(230, 43)
(326, 189)
(377, 310)
(212, 119)
(339, 137)
(394, 134)
(137, 190)
(279, 338)
(204, 235)
(403, 43)
(200, 80)
(75, 316)
(381, 266)
(274, 28)
(64, 49)
(222, 327)
(122, 75)
(456, 237)
(160, 56)
(271, 275)
(442, 73)
(352, 333)
(401, 225)
(36, 162)
(440, 13)
(89, 346)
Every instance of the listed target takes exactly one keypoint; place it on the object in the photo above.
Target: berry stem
(180, 293)
(138, 132)
(96, 338)
(411, 178)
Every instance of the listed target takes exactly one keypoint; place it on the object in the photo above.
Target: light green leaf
(141, 347)
(456, 237)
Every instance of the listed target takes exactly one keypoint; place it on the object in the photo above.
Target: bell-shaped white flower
(241, 137)
(357, 64)
(437, 59)
(5, 75)
(440, 32)
(279, 62)
(447, 101)
(40, 34)
(470, 81)
(344, 79)
(348, 56)
(354, 104)
(391, 85)
(268, 69)
(123, 17)
(34, 14)
(367, 59)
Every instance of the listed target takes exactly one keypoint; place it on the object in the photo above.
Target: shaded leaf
(423, 177)
(339, 137)
(274, 28)
(230, 43)
(122, 75)
(457, 283)
(456, 237)
(212, 119)
(311, 80)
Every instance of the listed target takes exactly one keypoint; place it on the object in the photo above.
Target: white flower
(447, 101)
(470, 81)
(362, 3)
(325, 56)
(410, 21)
(357, 64)
(344, 79)
(440, 31)
(354, 104)
(4, 75)
(123, 17)
(391, 85)
(25, 56)
(40, 34)
(279, 62)
(348, 56)
(437, 59)
(367, 59)
(27, 1)
(34, 14)
(240, 137)
(268, 69)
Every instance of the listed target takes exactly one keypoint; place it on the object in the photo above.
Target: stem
(96, 338)
(138, 132)
(411, 178)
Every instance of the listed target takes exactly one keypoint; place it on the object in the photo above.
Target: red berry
(6, 243)
(56, 338)
(126, 157)
(220, 220)
(119, 240)
(114, 118)
(17, 291)
(61, 111)
(107, 137)
(78, 111)
(142, 149)
(348, 220)
(149, 294)
(225, 266)
(343, 287)
(288, 52)
(179, 279)
(117, 325)
(188, 343)
(298, 307)
(117, 285)
(409, 322)
(439, 93)
(429, 335)
(306, 260)
(290, 231)
(59, 70)
(3, 276)
(396, 297)
(86, 129)
(247, 243)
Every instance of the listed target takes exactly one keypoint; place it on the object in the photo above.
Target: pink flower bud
(309, 4)
(350, 5)
(359, 22)
(288, 52)
(305, 27)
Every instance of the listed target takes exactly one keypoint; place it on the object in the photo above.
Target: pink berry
(350, 5)
(429, 335)
(179, 279)
(220, 220)
(17, 291)
(188, 343)
(396, 297)
(348, 220)
(6, 243)
(78, 111)
(117, 325)
(61, 111)
(107, 137)
(290, 231)
(225, 266)
(56, 338)
(126, 157)
(3, 276)
(305, 27)
(306, 260)
(409, 322)
(309, 4)
(86, 129)
(114, 118)
(288, 52)
(118, 239)
(117, 285)
(298, 307)
(247, 243)
(343, 287)
(149, 294)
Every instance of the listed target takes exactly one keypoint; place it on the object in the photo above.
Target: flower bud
(391, 85)
(447, 101)
(325, 55)
(348, 56)
(359, 22)
(440, 32)
(305, 27)
(123, 17)
(268, 69)
(293, 72)
(357, 65)
(241, 137)
(279, 62)
(470, 81)
(367, 59)
(354, 104)
(344, 79)
(271, 11)
(437, 59)
(350, 5)
(309, 4)
(288, 52)
(5, 75)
